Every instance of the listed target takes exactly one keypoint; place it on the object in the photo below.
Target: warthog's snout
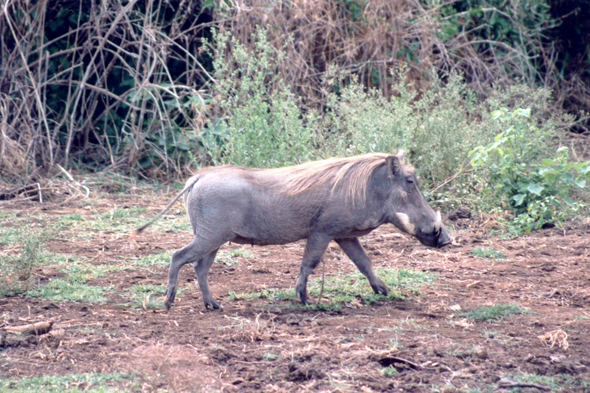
(443, 239)
(438, 239)
(432, 236)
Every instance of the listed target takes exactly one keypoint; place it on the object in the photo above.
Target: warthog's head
(411, 212)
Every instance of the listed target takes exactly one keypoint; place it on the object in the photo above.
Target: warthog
(337, 199)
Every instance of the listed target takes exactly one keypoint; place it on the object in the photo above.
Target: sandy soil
(424, 343)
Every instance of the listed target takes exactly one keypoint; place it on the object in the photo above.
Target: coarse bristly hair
(352, 173)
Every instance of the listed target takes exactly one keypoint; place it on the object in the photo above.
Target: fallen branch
(508, 384)
(37, 328)
(388, 360)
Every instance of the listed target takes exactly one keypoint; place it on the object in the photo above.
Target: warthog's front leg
(314, 249)
(353, 249)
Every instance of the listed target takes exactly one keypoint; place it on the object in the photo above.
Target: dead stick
(37, 328)
(507, 384)
(395, 359)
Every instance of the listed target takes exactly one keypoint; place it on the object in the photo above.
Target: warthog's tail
(177, 197)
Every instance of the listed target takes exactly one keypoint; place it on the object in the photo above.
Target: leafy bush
(438, 127)
(262, 125)
(435, 128)
(495, 159)
(16, 270)
(522, 170)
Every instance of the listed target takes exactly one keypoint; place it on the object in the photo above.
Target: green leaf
(585, 169)
(548, 162)
(570, 202)
(519, 199)
(562, 149)
(523, 112)
(497, 114)
(535, 189)
(580, 183)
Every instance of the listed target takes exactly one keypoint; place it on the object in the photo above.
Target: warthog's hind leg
(197, 250)
(354, 250)
(314, 249)
(202, 271)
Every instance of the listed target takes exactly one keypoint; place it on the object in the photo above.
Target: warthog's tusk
(438, 222)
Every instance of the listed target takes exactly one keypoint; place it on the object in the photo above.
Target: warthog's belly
(261, 242)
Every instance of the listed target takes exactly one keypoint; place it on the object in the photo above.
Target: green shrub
(469, 151)
(435, 128)
(16, 270)
(524, 173)
(262, 125)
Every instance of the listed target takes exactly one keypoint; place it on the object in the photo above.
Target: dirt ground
(421, 344)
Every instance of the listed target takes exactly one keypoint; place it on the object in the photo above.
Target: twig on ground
(508, 384)
(37, 328)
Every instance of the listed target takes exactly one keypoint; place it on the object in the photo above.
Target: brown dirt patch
(275, 346)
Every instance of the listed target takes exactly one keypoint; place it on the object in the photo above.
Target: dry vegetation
(112, 87)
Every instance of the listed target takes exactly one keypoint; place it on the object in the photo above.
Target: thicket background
(156, 89)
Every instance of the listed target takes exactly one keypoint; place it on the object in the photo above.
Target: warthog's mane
(349, 173)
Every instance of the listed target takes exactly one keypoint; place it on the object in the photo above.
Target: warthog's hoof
(381, 289)
(212, 304)
(168, 305)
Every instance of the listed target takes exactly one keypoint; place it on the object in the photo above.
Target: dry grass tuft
(556, 337)
(244, 329)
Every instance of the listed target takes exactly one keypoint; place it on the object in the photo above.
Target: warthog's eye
(409, 179)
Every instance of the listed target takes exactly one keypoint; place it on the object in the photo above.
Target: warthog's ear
(394, 165)
(400, 155)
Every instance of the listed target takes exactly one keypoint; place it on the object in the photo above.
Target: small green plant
(395, 344)
(63, 290)
(82, 271)
(346, 288)
(269, 357)
(159, 260)
(71, 218)
(244, 295)
(521, 170)
(229, 258)
(389, 371)
(91, 382)
(147, 296)
(488, 252)
(16, 269)
(495, 313)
